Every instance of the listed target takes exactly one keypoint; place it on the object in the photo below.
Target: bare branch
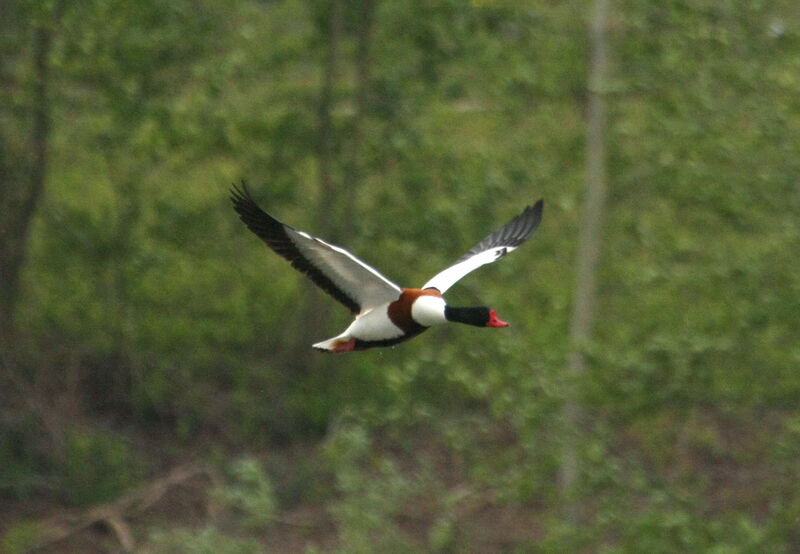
(115, 514)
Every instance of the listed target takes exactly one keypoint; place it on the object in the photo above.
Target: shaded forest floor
(489, 528)
(185, 506)
(183, 496)
(180, 495)
(718, 457)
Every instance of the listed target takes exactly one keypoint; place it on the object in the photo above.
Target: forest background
(157, 389)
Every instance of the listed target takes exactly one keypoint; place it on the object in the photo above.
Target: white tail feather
(337, 344)
(326, 344)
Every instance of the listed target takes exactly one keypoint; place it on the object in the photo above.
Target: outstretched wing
(490, 249)
(333, 269)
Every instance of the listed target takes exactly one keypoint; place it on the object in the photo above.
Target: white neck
(428, 310)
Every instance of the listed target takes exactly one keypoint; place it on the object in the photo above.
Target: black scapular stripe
(273, 233)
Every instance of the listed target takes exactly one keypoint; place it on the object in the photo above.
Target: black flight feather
(273, 232)
(512, 234)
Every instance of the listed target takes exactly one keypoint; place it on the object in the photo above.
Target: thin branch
(115, 514)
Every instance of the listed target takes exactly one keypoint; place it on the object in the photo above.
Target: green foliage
(250, 494)
(20, 463)
(208, 540)
(183, 324)
(22, 537)
(248, 506)
(98, 466)
(373, 491)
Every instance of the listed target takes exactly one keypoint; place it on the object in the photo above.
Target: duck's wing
(333, 269)
(490, 249)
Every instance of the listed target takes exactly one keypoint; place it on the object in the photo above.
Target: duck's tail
(336, 345)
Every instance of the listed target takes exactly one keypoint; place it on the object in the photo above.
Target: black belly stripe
(367, 344)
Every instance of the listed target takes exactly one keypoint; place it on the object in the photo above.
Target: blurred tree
(24, 140)
(363, 95)
(583, 308)
(130, 61)
(314, 317)
(169, 327)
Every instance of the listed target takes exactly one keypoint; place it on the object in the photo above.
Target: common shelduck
(385, 314)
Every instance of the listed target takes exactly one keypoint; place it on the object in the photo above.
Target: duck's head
(479, 316)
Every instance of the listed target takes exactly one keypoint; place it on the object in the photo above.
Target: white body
(375, 325)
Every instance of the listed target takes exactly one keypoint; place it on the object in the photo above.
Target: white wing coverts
(335, 270)
(492, 248)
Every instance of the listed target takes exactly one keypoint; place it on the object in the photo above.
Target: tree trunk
(326, 139)
(588, 254)
(23, 170)
(313, 315)
(353, 164)
(22, 177)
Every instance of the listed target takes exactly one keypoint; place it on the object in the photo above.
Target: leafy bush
(249, 494)
(373, 491)
(208, 540)
(20, 538)
(249, 506)
(98, 466)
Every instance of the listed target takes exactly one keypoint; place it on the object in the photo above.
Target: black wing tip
(536, 210)
(524, 225)
(240, 195)
(273, 233)
(513, 233)
(246, 206)
(256, 219)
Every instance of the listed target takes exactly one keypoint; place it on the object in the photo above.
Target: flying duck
(385, 314)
